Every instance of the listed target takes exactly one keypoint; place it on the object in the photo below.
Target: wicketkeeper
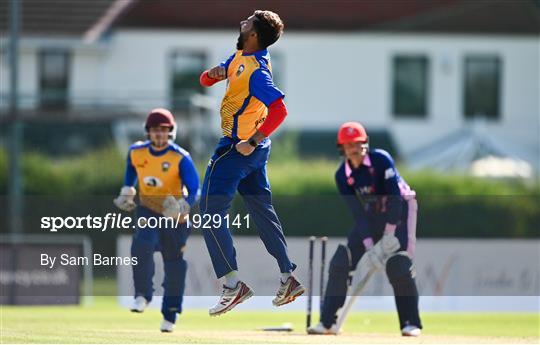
(384, 209)
(168, 186)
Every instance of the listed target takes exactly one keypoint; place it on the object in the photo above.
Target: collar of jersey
(258, 54)
(158, 153)
(349, 168)
(367, 160)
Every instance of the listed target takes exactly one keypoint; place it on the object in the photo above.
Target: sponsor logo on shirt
(261, 120)
(165, 166)
(366, 189)
(143, 164)
(152, 181)
(240, 70)
(389, 173)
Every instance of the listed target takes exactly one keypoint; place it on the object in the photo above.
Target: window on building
(410, 86)
(186, 68)
(54, 78)
(482, 87)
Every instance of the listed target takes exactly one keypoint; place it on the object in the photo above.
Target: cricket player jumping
(162, 170)
(384, 234)
(251, 110)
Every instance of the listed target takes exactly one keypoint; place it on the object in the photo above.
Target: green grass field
(105, 322)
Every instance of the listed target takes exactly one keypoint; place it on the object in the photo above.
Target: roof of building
(92, 18)
(451, 16)
(475, 17)
(54, 17)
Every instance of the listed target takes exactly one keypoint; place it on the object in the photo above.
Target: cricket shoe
(230, 298)
(411, 331)
(139, 304)
(288, 292)
(166, 326)
(319, 329)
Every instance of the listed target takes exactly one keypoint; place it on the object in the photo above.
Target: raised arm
(218, 73)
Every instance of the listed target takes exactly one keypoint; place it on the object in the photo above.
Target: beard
(240, 42)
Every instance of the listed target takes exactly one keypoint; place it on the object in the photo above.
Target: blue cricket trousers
(407, 306)
(228, 172)
(170, 242)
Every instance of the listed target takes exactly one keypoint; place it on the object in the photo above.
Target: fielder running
(161, 169)
(251, 110)
(383, 237)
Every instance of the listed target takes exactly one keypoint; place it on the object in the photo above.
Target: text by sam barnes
(96, 260)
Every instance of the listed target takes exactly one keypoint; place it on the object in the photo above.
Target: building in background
(422, 70)
(54, 61)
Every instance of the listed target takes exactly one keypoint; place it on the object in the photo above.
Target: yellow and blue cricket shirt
(250, 90)
(161, 173)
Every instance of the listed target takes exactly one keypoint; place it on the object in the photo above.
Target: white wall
(85, 86)
(330, 78)
(28, 77)
(84, 70)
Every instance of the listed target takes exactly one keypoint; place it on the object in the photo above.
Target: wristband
(390, 228)
(368, 243)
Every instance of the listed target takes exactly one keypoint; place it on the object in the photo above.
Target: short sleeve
(130, 176)
(227, 62)
(389, 172)
(392, 191)
(262, 87)
(190, 179)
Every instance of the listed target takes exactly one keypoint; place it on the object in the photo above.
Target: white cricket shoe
(230, 298)
(319, 329)
(139, 304)
(166, 326)
(288, 291)
(411, 331)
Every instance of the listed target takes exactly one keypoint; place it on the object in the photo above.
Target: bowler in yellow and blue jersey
(168, 186)
(251, 110)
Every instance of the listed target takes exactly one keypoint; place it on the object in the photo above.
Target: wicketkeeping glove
(126, 200)
(389, 244)
(375, 260)
(382, 250)
(173, 208)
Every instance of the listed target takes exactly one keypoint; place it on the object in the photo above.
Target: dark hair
(268, 26)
